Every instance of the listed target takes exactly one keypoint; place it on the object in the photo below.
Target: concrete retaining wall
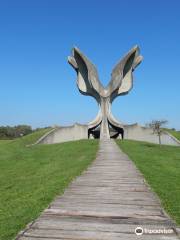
(64, 134)
(136, 132)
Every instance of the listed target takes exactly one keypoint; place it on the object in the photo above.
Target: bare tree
(157, 125)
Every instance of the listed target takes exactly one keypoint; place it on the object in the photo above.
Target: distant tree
(3, 132)
(157, 125)
(22, 130)
(10, 132)
(7, 132)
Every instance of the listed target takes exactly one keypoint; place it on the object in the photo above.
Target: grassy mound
(160, 166)
(32, 176)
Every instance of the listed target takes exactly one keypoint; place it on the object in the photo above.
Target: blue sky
(38, 87)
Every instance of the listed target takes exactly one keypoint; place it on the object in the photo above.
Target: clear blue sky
(38, 87)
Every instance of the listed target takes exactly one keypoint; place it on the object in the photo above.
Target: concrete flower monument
(105, 125)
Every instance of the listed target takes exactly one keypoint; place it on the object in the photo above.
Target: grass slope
(176, 134)
(31, 177)
(160, 166)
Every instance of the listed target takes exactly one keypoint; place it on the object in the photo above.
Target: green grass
(160, 166)
(176, 134)
(4, 141)
(30, 177)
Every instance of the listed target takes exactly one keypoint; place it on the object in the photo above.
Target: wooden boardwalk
(108, 201)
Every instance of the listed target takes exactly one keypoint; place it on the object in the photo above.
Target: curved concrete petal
(96, 121)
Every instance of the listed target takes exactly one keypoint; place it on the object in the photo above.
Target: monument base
(132, 132)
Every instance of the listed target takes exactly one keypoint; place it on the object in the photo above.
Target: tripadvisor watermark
(139, 231)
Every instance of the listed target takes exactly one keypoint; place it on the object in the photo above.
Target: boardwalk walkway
(108, 201)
